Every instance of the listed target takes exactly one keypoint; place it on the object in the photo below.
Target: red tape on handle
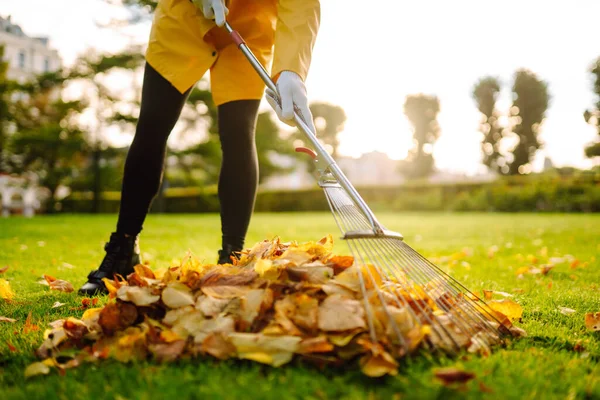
(237, 38)
(308, 151)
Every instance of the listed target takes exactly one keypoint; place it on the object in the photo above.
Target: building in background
(27, 56)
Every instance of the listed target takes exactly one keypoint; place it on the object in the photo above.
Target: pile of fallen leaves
(278, 301)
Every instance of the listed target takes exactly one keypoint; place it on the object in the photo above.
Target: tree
(421, 110)
(107, 106)
(48, 141)
(592, 116)
(5, 118)
(329, 121)
(530, 102)
(485, 93)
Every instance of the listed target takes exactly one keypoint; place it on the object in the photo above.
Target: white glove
(213, 9)
(292, 93)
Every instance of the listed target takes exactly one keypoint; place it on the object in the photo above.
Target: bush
(543, 193)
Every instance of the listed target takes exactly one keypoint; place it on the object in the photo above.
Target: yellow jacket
(183, 45)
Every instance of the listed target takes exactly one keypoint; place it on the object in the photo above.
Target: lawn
(558, 359)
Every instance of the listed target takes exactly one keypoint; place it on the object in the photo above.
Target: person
(187, 39)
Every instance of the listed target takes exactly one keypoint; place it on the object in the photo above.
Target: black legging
(161, 106)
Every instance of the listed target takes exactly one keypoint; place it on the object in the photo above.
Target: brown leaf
(592, 321)
(217, 346)
(11, 347)
(29, 326)
(58, 284)
(318, 344)
(167, 352)
(484, 388)
(6, 319)
(117, 316)
(144, 271)
(3, 269)
(74, 328)
(340, 263)
(339, 314)
(451, 375)
(215, 278)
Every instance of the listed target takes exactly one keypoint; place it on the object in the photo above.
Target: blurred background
(429, 105)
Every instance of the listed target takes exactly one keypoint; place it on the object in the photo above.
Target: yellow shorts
(233, 78)
(183, 47)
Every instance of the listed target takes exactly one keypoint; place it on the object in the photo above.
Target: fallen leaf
(512, 310)
(6, 319)
(29, 326)
(140, 296)
(6, 292)
(3, 269)
(378, 364)
(566, 311)
(592, 321)
(218, 346)
(177, 295)
(339, 314)
(167, 352)
(58, 284)
(451, 375)
(11, 347)
(57, 304)
(484, 388)
(37, 368)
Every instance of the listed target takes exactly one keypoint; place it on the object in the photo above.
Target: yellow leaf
(512, 310)
(592, 321)
(37, 368)
(380, 364)
(5, 290)
(112, 289)
(266, 269)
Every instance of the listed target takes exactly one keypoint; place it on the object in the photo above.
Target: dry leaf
(339, 314)
(6, 319)
(12, 348)
(140, 296)
(451, 375)
(37, 368)
(6, 292)
(507, 307)
(592, 321)
(566, 311)
(29, 326)
(57, 304)
(58, 284)
(3, 269)
(177, 295)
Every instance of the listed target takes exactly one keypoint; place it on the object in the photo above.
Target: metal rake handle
(324, 158)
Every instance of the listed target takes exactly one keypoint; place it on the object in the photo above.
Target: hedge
(514, 194)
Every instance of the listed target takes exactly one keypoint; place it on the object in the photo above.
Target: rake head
(401, 289)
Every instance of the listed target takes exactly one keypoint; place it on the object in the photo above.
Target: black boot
(226, 253)
(122, 254)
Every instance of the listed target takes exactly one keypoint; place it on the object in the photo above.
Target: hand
(291, 94)
(213, 9)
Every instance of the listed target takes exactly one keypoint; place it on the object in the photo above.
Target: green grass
(549, 363)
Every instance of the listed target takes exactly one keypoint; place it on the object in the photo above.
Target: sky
(370, 55)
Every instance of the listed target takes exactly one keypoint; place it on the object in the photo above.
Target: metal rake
(393, 275)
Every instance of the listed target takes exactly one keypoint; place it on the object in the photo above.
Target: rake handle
(322, 155)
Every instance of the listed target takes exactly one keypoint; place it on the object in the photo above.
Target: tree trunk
(97, 188)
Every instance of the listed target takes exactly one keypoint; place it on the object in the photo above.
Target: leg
(238, 180)
(160, 110)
